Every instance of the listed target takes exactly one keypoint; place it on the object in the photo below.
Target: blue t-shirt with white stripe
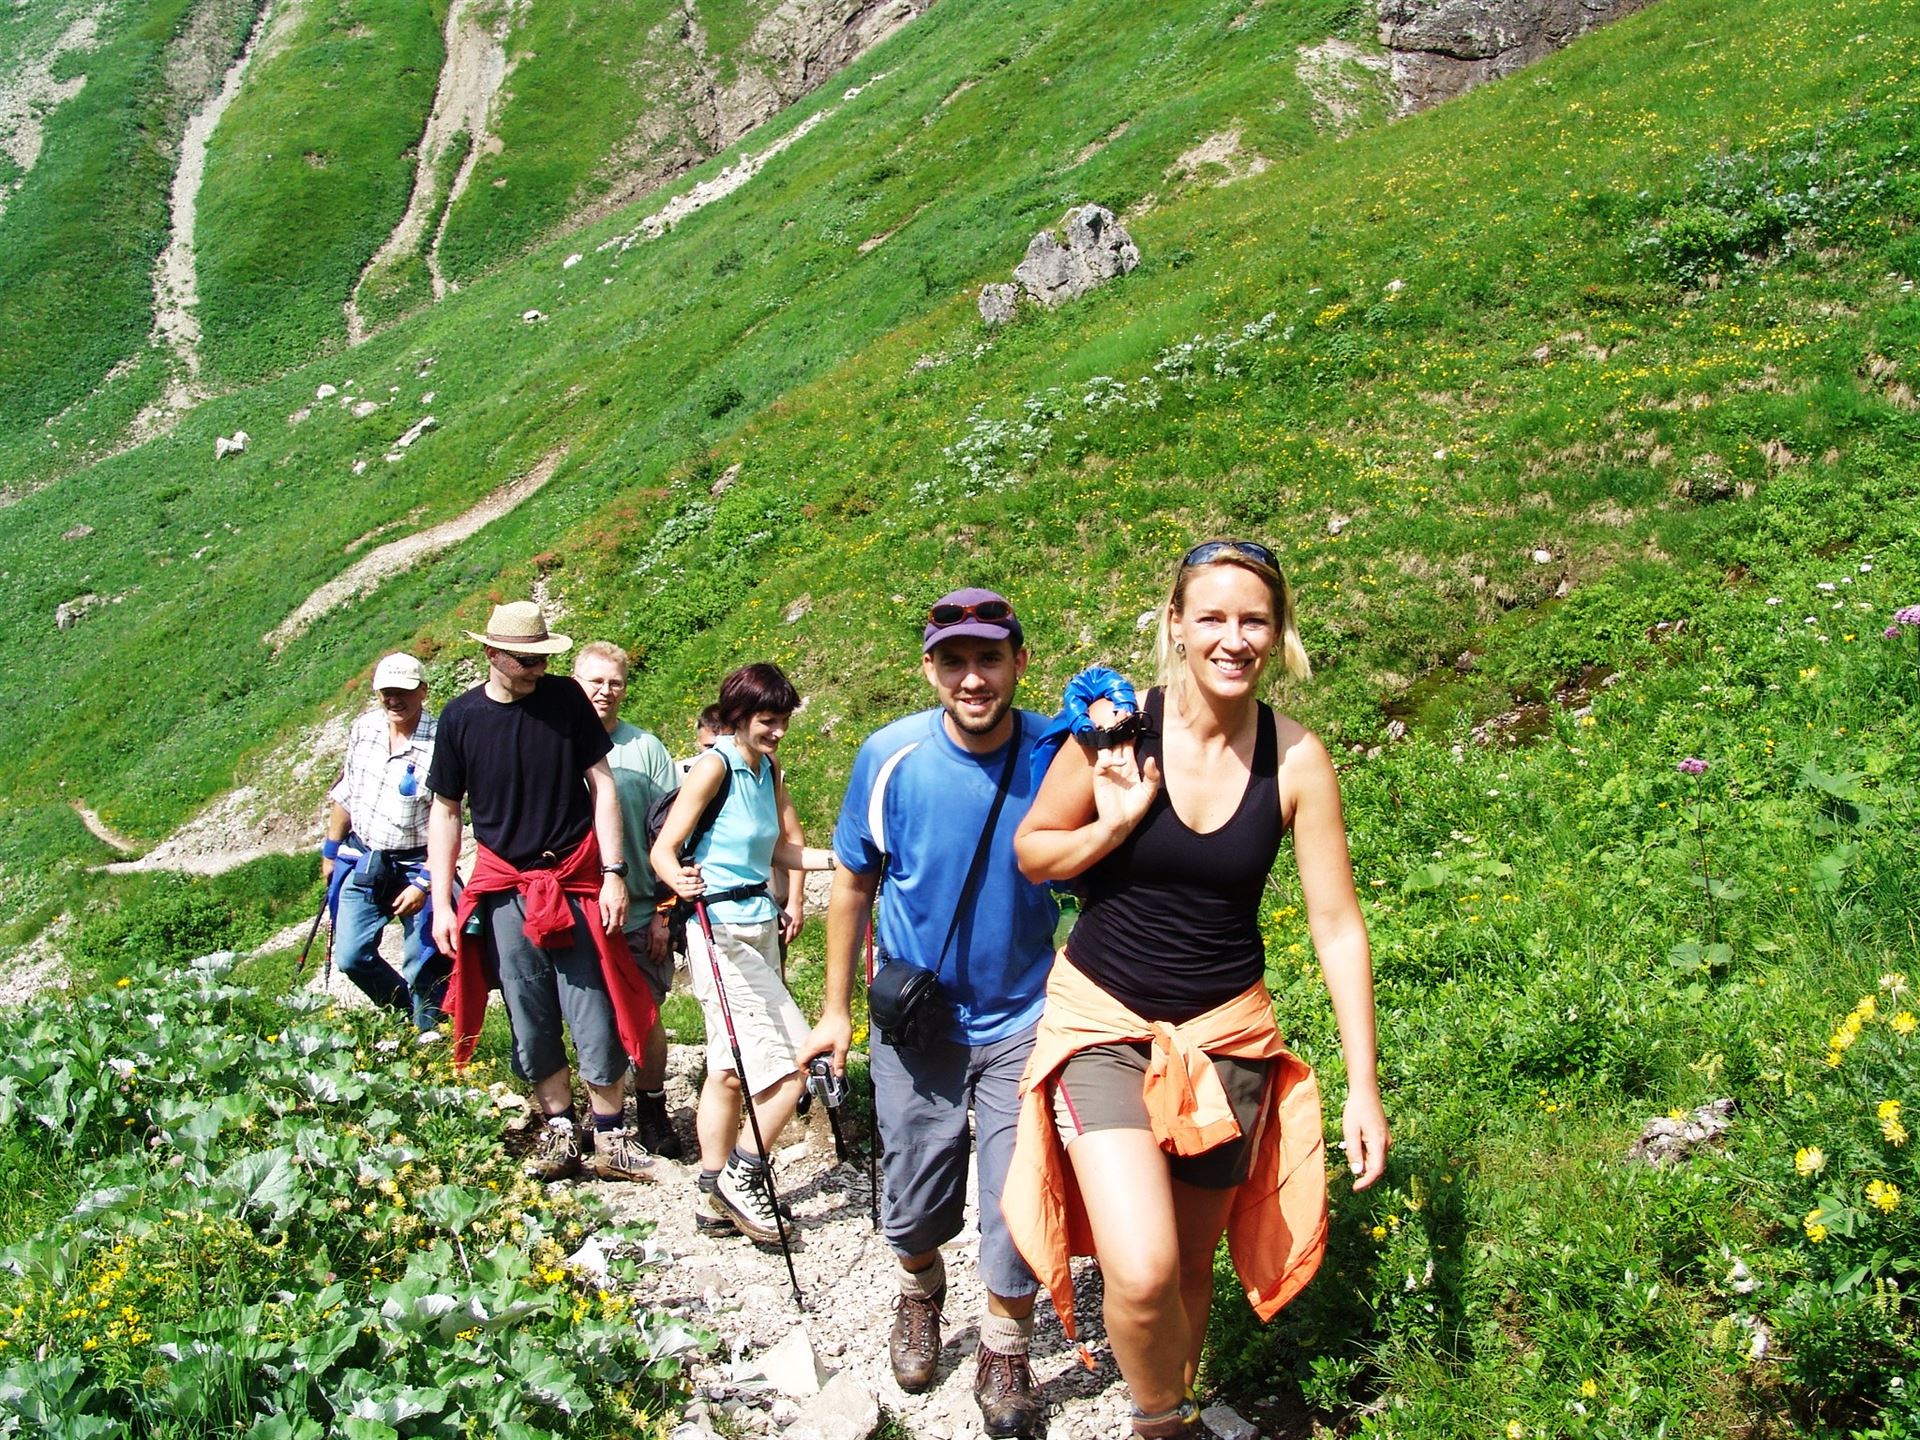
(934, 801)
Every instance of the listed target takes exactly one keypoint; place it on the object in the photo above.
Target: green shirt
(642, 772)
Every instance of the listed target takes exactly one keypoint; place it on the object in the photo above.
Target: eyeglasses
(950, 612)
(530, 662)
(1213, 549)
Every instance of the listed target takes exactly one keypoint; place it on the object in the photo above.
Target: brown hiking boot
(1009, 1405)
(556, 1154)
(1182, 1420)
(618, 1155)
(914, 1346)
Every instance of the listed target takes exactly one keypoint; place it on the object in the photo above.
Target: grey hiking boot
(556, 1154)
(914, 1345)
(742, 1198)
(710, 1217)
(1009, 1405)
(618, 1155)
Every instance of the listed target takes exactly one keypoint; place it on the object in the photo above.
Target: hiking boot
(656, 1127)
(556, 1154)
(711, 1218)
(914, 1345)
(742, 1199)
(618, 1155)
(1182, 1420)
(1003, 1386)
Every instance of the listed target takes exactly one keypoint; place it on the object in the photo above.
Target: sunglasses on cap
(1213, 549)
(950, 612)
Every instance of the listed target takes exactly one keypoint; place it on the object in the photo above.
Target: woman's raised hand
(1123, 788)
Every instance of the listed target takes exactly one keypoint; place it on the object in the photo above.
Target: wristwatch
(617, 868)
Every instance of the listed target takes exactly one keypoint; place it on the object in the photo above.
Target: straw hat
(521, 627)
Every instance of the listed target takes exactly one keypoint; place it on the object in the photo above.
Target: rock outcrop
(1443, 48)
(1096, 249)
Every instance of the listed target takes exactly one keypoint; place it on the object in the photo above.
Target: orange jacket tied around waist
(549, 925)
(1277, 1228)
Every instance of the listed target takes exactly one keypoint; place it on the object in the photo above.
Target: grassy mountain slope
(307, 174)
(1581, 408)
(79, 237)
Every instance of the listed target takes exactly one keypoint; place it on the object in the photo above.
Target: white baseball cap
(399, 672)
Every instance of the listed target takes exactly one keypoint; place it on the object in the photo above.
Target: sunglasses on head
(1213, 549)
(951, 612)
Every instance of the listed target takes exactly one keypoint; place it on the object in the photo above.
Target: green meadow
(1582, 411)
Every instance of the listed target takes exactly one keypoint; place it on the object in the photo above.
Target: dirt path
(366, 573)
(98, 829)
(474, 69)
(176, 290)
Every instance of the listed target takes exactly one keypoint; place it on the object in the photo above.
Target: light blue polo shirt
(933, 804)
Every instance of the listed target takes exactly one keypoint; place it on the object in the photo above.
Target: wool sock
(747, 1162)
(603, 1124)
(709, 1179)
(1005, 1335)
(570, 1115)
(923, 1284)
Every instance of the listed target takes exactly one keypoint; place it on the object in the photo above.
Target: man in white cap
(544, 909)
(377, 822)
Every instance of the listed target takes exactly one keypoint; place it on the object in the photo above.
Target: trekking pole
(873, 1101)
(318, 916)
(746, 1095)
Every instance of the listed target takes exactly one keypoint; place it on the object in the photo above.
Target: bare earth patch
(1342, 77)
(1220, 158)
(30, 94)
(370, 570)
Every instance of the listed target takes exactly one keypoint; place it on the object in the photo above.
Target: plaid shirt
(369, 785)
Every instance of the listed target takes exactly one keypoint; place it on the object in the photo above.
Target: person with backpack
(927, 824)
(1161, 1108)
(718, 858)
(643, 772)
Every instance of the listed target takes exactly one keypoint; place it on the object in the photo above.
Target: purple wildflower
(1909, 615)
(1692, 765)
(1892, 632)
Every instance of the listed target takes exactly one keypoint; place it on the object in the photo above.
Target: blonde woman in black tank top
(1135, 827)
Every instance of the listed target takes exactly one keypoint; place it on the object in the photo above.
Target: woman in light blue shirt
(730, 869)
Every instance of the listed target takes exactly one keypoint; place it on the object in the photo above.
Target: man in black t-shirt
(527, 753)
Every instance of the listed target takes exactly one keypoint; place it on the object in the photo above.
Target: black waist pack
(906, 1005)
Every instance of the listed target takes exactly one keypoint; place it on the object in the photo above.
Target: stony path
(845, 1270)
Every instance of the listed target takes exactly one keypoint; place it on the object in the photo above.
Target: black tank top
(1170, 925)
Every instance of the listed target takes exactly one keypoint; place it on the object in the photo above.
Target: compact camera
(829, 1088)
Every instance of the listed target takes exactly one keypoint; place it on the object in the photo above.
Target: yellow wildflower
(1885, 1196)
(1887, 1110)
(1589, 1388)
(1816, 1232)
(1903, 1023)
(1894, 1132)
(1867, 1008)
(1379, 1232)
(1809, 1160)
(1515, 1430)
(122, 983)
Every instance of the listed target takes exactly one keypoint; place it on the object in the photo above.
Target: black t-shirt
(1170, 925)
(521, 767)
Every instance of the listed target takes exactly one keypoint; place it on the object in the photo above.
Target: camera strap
(986, 839)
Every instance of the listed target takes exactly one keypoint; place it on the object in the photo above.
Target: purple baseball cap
(961, 613)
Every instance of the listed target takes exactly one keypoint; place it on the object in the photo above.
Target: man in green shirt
(642, 771)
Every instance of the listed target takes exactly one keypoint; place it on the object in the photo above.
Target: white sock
(1005, 1335)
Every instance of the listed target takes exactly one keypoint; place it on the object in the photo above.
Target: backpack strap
(877, 801)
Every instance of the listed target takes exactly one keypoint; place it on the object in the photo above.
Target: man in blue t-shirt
(916, 809)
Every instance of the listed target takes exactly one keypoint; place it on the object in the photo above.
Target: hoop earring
(1180, 647)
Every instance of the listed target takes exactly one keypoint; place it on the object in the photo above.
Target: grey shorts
(921, 1099)
(545, 988)
(1103, 1088)
(659, 977)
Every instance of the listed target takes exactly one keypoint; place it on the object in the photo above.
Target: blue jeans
(422, 984)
